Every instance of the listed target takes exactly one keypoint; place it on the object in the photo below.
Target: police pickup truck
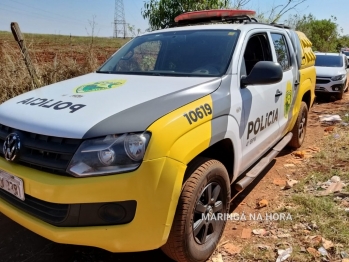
(143, 152)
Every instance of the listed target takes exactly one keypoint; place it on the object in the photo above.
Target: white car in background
(332, 74)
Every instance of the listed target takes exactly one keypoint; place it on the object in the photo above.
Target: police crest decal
(288, 99)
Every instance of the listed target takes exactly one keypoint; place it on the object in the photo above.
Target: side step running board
(259, 167)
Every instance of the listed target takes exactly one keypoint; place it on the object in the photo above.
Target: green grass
(331, 221)
(305, 207)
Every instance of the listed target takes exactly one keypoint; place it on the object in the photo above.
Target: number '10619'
(199, 113)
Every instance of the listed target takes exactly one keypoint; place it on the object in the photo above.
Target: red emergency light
(212, 14)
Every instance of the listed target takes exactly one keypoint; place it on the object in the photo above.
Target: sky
(76, 17)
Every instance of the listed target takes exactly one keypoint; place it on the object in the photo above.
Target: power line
(76, 21)
(38, 16)
(54, 21)
(136, 7)
(46, 11)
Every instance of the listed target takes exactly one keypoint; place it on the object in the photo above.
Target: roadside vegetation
(55, 58)
(319, 229)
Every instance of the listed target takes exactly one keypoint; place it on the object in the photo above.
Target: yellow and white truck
(143, 152)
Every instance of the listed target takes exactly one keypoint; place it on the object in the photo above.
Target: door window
(281, 49)
(257, 49)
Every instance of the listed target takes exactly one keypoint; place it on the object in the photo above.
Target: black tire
(206, 178)
(300, 127)
(346, 88)
(340, 95)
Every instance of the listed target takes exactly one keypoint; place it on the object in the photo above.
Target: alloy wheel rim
(301, 130)
(207, 222)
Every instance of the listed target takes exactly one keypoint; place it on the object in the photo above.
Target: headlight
(109, 155)
(336, 78)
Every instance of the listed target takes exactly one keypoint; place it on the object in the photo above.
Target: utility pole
(16, 31)
(119, 19)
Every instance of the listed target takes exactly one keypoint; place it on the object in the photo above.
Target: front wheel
(199, 220)
(340, 95)
(300, 127)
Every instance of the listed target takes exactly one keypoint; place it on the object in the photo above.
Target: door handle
(296, 83)
(278, 93)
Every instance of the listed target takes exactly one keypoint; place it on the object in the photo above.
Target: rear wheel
(205, 194)
(300, 127)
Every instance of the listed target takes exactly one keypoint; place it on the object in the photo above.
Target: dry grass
(55, 58)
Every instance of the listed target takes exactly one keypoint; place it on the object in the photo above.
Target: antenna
(119, 19)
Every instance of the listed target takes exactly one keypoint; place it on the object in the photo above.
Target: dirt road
(19, 244)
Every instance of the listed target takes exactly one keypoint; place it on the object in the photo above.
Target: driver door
(261, 103)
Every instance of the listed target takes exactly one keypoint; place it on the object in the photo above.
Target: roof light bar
(212, 14)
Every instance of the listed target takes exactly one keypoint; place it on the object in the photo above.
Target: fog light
(112, 213)
(336, 89)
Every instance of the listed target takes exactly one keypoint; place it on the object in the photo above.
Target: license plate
(12, 184)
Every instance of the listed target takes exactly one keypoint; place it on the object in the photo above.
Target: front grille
(320, 89)
(49, 212)
(322, 81)
(46, 153)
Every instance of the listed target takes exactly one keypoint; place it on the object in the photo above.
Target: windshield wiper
(104, 72)
(156, 73)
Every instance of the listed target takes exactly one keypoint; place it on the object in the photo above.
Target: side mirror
(263, 73)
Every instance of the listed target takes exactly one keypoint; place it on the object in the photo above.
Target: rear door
(347, 70)
(284, 55)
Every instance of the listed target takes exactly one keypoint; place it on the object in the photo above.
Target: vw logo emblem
(12, 146)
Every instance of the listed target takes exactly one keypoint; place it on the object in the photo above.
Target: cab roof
(242, 26)
(217, 19)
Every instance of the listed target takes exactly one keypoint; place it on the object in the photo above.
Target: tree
(133, 31)
(161, 13)
(92, 23)
(324, 34)
(238, 4)
(343, 42)
(277, 11)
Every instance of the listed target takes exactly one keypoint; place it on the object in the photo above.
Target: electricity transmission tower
(119, 19)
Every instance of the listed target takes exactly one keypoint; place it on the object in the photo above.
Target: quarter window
(281, 49)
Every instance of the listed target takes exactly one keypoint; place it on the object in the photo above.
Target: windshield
(329, 61)
(346, 53)
(179, 53)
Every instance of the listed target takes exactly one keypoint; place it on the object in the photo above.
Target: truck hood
(322, 71)
(95, 105)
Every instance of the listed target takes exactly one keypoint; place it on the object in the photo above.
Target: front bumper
(326, 85)
(155, 186)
